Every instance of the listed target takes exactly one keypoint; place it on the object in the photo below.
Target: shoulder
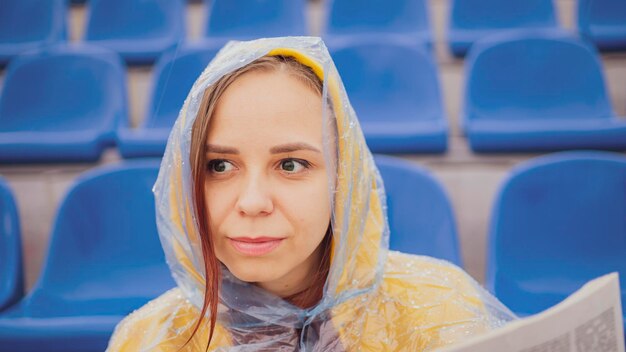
(163, 324)
(430, 280)
(437, 301)
(136, 328)
(428, 274)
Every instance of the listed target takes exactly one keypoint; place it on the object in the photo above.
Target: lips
(255, 246)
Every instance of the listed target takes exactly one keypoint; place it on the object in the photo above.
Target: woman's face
(267, 187)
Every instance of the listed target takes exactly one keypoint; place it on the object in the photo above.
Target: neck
(301, 285)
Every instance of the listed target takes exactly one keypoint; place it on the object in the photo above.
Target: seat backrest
(248, 19)
(601, 12)
(558, 221)
(174, 75)
(135, 19)
(494, 14)
(32, 20)
(11, 271)
(64, 88)
(536, 75)
(105, 257)
(420, 216)
(388, 81)
(356, 16)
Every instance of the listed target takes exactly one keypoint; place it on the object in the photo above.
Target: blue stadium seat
(394, 90)
(471, 20)
(420, 216)
(399, 18)
(541, 91)
(105, 260)
(603, 22)
(558, 221)
(174, 75)
(11, 272)
(61, 104)
(139, 30)
(30, 24)
(249, 19)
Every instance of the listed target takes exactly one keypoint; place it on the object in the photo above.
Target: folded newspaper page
(588, 320)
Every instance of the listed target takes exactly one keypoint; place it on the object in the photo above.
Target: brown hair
(212, 94)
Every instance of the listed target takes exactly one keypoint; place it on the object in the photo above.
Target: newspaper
(588, 320)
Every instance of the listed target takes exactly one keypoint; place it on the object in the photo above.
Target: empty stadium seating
(30, 24)
(248, 19)
(394, 89)
(11, 272)
(139, 30)
(471, 20)
(399, 18)
(104, 261)
(61, 104)
(558, 222)
(538, 91)
(420, 215)
(603, 22)
(173, 77)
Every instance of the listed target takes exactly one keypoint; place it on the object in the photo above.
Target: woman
(272, 216)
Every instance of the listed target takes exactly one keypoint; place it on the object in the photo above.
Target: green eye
(219, 166)
(293, 166)
(289, 165)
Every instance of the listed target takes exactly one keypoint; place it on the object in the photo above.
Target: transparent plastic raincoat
(374, 299)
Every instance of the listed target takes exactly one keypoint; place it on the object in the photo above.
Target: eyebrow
(218, 149)
(284, 148)
(292, 147)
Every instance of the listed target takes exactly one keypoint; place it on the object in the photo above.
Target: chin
(255, 272)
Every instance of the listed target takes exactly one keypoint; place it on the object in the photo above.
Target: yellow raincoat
(374, 299)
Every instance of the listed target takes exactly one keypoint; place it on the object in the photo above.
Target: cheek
(308, 208)
(219, 204)
(219, 201)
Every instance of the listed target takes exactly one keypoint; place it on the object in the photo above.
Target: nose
(255, 198)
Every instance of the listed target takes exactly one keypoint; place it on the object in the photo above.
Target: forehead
(272, 104)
